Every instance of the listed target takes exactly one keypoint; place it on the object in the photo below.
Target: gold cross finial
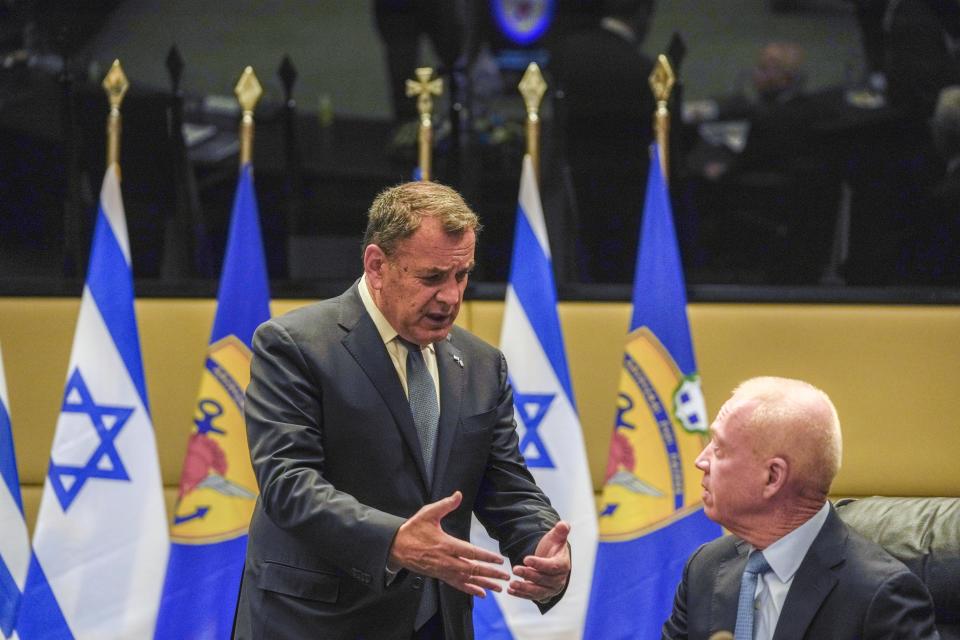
(115, 84)
(423, 87)
(248, 92)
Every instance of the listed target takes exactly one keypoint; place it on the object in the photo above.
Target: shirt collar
(384, 328)
(786, 554)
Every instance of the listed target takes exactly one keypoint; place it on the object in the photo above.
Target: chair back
(924, 534)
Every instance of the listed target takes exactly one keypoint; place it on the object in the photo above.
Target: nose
(449, 292)
(702, 461)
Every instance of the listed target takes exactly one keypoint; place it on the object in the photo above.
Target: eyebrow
(713, 434)
(437, 270)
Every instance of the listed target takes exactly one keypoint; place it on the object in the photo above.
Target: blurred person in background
(942, 255)
(608, 111)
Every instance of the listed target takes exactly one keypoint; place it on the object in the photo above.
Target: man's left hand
(545, 573)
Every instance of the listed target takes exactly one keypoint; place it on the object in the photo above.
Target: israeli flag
(551, 440)
(14, 542)
(101, 542)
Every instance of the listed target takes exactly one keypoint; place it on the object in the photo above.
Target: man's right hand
(422, 546)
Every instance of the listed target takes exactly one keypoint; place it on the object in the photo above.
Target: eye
(435, 278)
(712, 446)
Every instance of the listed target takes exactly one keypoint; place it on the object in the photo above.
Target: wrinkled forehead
(437, 247)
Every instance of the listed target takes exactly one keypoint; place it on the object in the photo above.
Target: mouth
(438, 319)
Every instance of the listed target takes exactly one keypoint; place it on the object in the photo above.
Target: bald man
(774, 451)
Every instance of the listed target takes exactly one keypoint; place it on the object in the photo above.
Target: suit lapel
(365, 344)
(450, 364)
(814, 580)
(726, 593)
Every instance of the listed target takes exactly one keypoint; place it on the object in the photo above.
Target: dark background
(755, 240)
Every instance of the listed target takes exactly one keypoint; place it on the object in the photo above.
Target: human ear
(777, 473)
(374, 263)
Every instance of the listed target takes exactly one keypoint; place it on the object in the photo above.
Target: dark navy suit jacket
(847, 588)
(339, 466)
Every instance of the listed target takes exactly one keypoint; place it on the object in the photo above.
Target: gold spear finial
(248, 92)
(662, 80)
(532, 87)
(424, 88)
(115, 84)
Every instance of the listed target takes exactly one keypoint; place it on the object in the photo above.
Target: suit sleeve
(286, 448)
(901, 609)
(509, 504)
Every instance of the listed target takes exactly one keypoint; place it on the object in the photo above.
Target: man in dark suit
(939, 252)
(365, 506)
(607, 112)
(775, 448)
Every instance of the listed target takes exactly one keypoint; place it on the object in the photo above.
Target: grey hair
(396, 213)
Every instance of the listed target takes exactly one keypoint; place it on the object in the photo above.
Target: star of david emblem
(104, 461)
(532, 407)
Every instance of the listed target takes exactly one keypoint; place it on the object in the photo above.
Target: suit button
(417, 583)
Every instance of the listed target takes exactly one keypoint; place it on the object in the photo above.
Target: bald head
(794, 420)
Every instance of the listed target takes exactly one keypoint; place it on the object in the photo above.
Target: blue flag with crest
(217, 487)
(651, 517)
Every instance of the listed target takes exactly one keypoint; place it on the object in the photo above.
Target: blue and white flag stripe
(14, 541)
(101, 542)
(531, 284)
(550, 434)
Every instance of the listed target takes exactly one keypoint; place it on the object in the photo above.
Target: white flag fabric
(14, 542)
(551, 439)
(101, 541)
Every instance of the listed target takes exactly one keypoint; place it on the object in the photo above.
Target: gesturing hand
(422, 546)
(545, 573)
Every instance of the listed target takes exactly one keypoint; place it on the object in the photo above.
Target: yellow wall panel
(892, 371)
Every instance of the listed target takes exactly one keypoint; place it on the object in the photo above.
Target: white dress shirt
(396, 349)
(784, 557)
(398, 355)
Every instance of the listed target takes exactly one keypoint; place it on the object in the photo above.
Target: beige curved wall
(892, 372)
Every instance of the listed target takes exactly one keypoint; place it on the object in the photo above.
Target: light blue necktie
(422, 396)
(756, 566)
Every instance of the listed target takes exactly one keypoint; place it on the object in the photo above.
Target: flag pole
(662, 80)
(424, 88)
(532, 87)
(248, 92)
(115, 84)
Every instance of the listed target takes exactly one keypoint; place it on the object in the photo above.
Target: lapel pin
(459, 360)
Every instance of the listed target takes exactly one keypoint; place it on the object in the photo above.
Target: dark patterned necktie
(422, 396)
